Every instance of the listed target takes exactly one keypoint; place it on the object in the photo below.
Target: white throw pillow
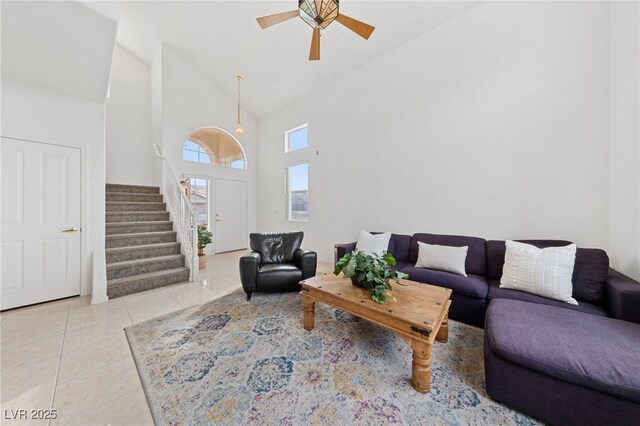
(373, 244)
(546, 272)
(444, 258)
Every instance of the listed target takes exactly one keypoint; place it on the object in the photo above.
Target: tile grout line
(124, 303)
(176, 300)
(114, 399)
(90, 373)
(55, 384)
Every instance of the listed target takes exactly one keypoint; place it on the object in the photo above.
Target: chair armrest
(340, 250)
(623, 297)
(249, 265)
(307, 261)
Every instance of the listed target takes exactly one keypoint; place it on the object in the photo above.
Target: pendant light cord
(239, 80)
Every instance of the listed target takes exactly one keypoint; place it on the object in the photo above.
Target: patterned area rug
(233, 362)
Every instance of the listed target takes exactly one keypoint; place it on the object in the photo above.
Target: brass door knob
(70, 230)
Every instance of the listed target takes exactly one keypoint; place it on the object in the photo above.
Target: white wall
(130, 155)
(40, 115)
(495, 124)
(189, 101)
(624, 151)
(156, 109)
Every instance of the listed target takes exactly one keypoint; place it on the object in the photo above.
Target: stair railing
(185, 219)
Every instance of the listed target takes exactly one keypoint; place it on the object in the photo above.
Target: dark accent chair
(276, 263)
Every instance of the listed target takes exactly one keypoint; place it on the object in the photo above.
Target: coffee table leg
(443, 333)
(309, 313)
(421, 367)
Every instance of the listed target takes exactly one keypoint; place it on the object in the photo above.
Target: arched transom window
(214, 146)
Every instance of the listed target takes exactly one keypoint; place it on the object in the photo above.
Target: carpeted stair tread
(132, 196)
(119, 281)
(142, 266)
(135, 262)
(139, 206)
(139, 239)
(120, 254)
(136, 216)
(138, 227)
(139, 234)
(134, 284)
(119, 187)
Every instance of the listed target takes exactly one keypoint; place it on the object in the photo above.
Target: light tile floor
(74, 357)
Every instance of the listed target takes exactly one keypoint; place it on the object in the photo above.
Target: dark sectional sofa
(561, 363)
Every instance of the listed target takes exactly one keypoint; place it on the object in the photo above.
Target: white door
(40, 223)
(231, 215)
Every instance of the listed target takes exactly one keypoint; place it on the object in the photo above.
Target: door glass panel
(199, 198)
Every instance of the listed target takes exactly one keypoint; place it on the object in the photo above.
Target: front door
(231, 215)
(40, 220)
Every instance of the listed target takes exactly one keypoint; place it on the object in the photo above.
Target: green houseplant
(204, 239)
(373, 272)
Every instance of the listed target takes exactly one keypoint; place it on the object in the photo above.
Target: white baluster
(182, 213)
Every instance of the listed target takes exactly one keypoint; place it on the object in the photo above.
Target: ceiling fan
(318, 14)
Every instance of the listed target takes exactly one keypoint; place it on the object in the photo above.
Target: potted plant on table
(204, 239)
(371, 271)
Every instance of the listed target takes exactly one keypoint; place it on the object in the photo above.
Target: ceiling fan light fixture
(318, 13)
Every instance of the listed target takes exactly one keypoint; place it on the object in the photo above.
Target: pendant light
(239, 126)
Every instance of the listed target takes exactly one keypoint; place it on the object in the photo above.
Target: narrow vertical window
(298, 192)
(297, 138)
(199, 197)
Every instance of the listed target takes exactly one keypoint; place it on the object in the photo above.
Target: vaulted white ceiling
(61, 46)
(222, 39)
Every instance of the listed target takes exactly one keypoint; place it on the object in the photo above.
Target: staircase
(142, 251)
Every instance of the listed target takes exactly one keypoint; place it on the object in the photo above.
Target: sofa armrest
(307, 261)
(623, 297)
(340, 250)
(249, 265)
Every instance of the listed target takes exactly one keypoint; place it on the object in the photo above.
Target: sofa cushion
(596, 352)
(400, 265)
(497, 249)
(476, 262)
(400, 247)
(495, 292)
(373, 243)
(546, 272)
(589, 273)
(276, 247)
(443, 258)
(471, 285)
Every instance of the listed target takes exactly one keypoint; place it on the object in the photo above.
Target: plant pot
(357, 283)
(200, 251)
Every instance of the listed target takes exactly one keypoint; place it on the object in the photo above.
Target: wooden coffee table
(419, 315)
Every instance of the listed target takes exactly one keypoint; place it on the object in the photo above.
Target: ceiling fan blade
(360, 28)
(267, 21)
(314, 54)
